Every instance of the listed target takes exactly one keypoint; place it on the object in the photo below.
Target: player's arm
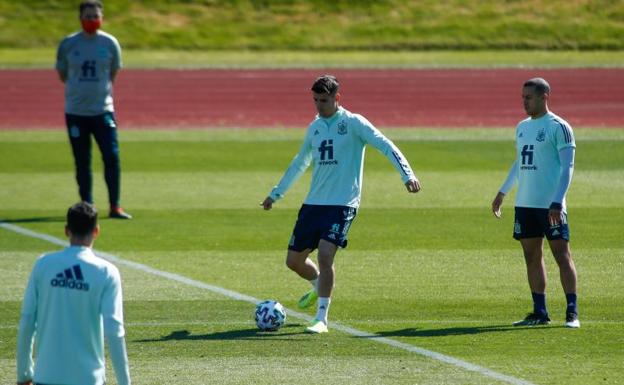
(375, 138)
(566, 159)
(112, 315)
(61, 62)
(297, 167)
(116, 60)
(26, 332)
(512, 177)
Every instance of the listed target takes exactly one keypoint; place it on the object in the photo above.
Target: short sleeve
(61, 57)
(564, 137)
(116, 48)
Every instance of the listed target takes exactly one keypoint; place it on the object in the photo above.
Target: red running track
(281, 98)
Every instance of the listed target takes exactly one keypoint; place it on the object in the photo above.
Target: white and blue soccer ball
(270, 315)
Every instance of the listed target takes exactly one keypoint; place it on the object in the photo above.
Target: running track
(281, 98)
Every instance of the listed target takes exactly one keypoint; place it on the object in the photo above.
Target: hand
(555, 217)
(413, 185)
(497, 203)
(267, 204)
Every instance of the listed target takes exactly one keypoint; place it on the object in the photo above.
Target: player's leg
(567, 272)
(106, 137)
(300, 263)
(80, 140)
(337, 225)
(529, 230)
(536, 275)
(326, 254)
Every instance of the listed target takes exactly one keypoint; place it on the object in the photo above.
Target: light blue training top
(336, 146)
(541, 176)
(73, 299)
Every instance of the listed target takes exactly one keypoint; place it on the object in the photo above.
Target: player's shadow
(455, 331)
(241, 334)
(33, 220)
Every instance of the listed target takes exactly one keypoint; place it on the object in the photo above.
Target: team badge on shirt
(342, 127)
(541, 135)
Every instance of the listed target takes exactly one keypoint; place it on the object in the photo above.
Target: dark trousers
(104, 130)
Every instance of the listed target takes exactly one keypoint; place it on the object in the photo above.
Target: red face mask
(90, 26)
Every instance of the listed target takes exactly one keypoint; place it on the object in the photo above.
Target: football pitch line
(246, 298)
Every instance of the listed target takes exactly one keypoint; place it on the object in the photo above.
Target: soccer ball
(270, 315)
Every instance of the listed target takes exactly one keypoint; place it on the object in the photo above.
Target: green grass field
(327, 26)
(433, 270)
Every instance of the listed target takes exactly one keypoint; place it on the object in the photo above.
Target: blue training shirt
(336, 146)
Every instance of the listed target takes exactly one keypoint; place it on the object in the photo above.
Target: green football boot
(307, 300)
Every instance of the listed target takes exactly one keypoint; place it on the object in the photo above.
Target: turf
(433, 270)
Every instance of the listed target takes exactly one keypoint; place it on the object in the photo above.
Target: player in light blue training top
(334, 144)
(543, 169)
(72, 302)
(87, 62)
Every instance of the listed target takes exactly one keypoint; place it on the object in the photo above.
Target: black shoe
(118, 213)
(572, 321)
(533, 319)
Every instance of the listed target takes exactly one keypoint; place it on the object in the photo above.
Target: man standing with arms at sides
(73, 300)
(543, 167)
(335, 143)
(87, 62)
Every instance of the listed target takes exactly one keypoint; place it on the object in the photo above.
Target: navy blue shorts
(316, 222)
(533, 223)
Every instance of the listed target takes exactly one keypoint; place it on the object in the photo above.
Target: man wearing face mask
(87, 62)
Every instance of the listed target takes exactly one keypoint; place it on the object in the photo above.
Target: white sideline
(242, 297)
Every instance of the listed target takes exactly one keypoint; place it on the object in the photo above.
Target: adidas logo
(71, 278)
(555, 233)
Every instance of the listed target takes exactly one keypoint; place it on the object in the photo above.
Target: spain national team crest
(342, 127)
(541, 135)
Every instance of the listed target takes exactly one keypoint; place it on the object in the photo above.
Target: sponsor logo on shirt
(70, 278)
(327, 153)
(527, 158)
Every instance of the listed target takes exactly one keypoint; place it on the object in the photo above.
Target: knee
(111, 159)
(533, 259)
(292, 263)
(564, 260)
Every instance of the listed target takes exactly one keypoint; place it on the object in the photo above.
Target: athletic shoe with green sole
(307, 300)
(317, 327)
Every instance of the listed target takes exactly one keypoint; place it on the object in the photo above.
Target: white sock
(323, 309)
(314, 283)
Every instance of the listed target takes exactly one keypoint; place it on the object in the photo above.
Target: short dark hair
(90, 4)
(326, 84)
(541, 85)
(82, 219)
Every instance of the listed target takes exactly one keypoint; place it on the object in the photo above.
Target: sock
(314, 283)
(323, 309)
(539, 304)
(571, 300)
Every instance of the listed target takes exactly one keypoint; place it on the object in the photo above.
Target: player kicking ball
(334, 143)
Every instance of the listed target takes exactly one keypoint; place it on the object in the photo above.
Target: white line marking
(243, 297)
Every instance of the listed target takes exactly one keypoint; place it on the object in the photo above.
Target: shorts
(316, 222)
(533, 223)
